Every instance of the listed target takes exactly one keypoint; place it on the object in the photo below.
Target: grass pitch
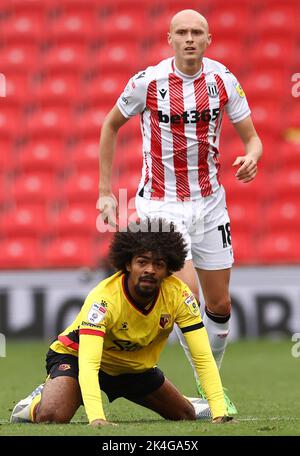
(262, 378)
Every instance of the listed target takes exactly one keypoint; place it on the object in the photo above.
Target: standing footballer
(181, 102)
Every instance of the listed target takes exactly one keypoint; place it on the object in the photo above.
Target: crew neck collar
(184, 75)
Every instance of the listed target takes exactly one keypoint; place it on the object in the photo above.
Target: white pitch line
(270, 418)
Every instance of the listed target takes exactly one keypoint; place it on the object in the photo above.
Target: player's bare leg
(168, 402)
(60, 399)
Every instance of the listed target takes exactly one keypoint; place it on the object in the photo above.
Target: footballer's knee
(44, 415)
(186, 412)
(221, 306)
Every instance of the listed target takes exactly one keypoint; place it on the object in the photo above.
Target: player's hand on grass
(99, 422)
(223, 419)
(108, 207)
(247, 170)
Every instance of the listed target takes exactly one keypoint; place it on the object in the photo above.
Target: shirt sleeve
(190, 322)
(96, 318)
(207, 370)
(133, 100)
(237, 106)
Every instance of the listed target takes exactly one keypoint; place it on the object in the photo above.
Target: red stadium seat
(266, 85)
(80, 6)
(4, 197)
(75, 26)
(244, 216)
(286, 182)
(102, 246)
(129, 156)
(158, 28)
(239, 191)
(10, 118)
(127, 182)
(24, 221)
(174, 6)
(20, 253)
(81, 188)
(72, 58)
(20, 57)
(289, 155)
(55, 122)
(18, 87)
(103, 91)
(33, 187)
(69, 252)
(293, 113)
(229, 23)
(25, 28)
(277, 21)
(233, 147)
(157, 52)
(76, 220)
(279, 248)
(267, 54)
(85, 156)
(123, 27)
(244, 247)
(88, 124)
(112, 59)
(30, 6)
(229, 150)
(283, 215)
(280, 4)
(42, 156)
(228, 52)
(63, 89)
(260, 112)
(6, 153)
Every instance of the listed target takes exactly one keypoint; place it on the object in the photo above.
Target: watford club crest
(164, 320)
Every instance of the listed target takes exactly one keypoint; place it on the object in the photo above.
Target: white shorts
(204, 224)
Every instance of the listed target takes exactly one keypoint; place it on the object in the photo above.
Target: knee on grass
(44, 415)
(184, 413)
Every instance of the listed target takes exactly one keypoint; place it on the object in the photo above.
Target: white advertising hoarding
(40, 304)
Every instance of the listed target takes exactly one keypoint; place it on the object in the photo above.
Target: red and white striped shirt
(181, 120)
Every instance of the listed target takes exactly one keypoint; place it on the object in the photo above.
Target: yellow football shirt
(131, 339)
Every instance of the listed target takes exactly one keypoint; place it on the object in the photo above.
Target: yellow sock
(35, 401)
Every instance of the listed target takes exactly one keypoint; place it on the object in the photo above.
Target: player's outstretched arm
(253, 150)
(107, 202)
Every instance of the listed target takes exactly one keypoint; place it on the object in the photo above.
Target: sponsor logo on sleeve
(192, 304)
(97, 313)
(239, 89)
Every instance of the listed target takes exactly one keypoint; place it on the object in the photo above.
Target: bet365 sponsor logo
(2, 346)
(186, 117)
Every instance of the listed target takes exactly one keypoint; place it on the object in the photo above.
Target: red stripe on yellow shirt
(92, 332)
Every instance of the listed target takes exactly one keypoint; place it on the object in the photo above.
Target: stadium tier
(65, 64)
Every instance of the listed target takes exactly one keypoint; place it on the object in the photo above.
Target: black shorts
(130, 386)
